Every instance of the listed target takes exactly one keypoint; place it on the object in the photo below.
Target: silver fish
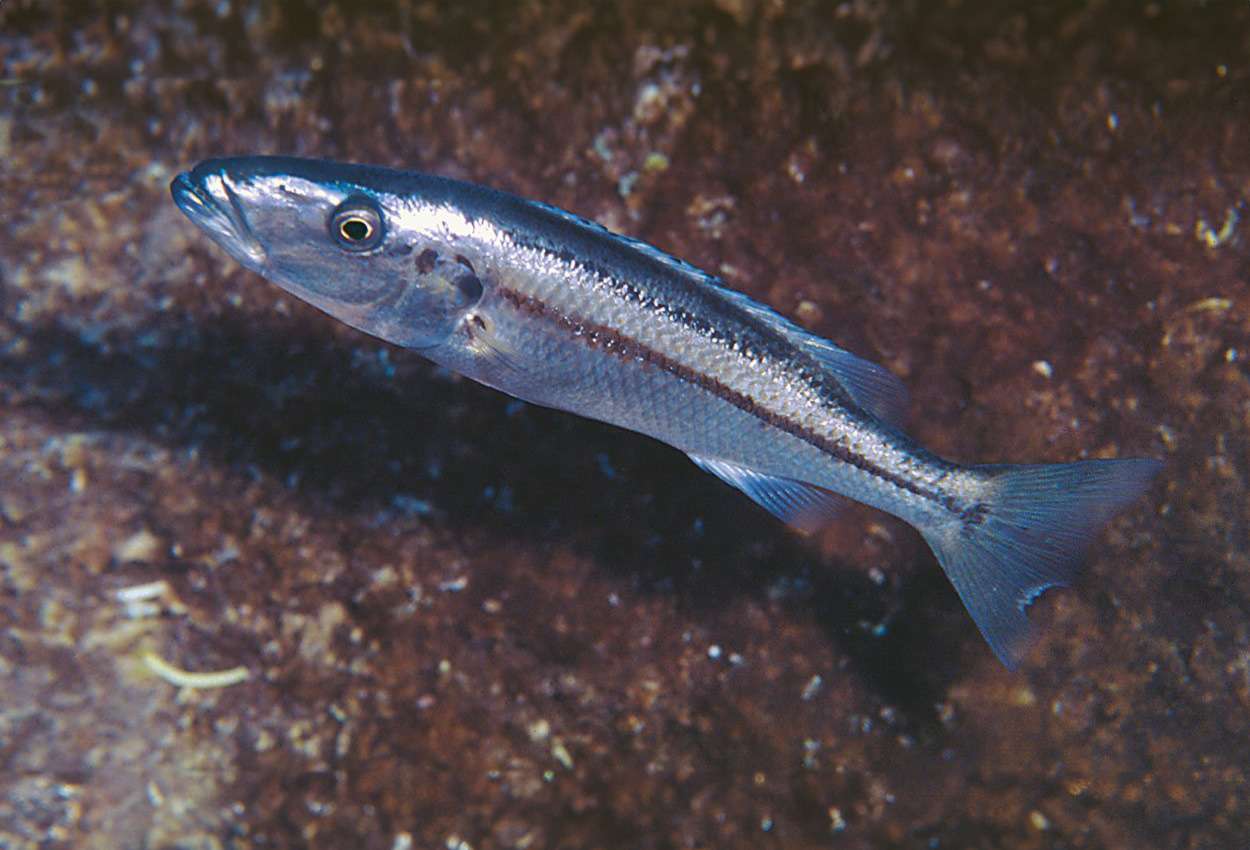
(558, 311)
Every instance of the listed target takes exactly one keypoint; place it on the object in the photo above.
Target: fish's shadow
(355, 425)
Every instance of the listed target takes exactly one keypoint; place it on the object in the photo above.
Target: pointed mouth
(209, 200)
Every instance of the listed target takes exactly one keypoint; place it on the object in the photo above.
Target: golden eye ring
(356, 225)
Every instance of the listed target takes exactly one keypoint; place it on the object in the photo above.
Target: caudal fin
(1030, 537)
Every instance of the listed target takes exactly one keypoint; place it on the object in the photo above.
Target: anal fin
(798, 504)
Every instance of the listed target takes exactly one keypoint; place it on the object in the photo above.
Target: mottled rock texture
(470, 623)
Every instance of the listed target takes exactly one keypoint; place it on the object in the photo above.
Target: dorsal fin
(872, 387)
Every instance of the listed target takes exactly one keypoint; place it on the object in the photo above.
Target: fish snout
(207, 197)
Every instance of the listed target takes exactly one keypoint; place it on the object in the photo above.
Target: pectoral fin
(500, 355)
(796, 503)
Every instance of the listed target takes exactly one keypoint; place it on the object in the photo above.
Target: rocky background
(445, 619)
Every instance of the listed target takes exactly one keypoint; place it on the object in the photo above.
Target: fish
(559, 311)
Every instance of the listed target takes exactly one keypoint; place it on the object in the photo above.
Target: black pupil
(355, 229)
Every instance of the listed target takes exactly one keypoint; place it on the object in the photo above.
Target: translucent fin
(802, 506)
(502, 356)
(873, 387)
(1030, 538)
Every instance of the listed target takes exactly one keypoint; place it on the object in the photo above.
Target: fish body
(556, 310)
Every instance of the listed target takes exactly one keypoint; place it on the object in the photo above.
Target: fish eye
(356, 225)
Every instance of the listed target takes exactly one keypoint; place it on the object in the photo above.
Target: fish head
(366, 245)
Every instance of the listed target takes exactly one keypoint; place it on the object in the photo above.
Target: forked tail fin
(1030, 537)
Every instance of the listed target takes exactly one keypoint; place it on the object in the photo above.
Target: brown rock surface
(469, 623)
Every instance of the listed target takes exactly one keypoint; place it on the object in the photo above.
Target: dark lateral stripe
(614, 342)
(644, 253)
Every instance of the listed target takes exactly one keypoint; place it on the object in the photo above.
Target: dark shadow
(365, 428)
